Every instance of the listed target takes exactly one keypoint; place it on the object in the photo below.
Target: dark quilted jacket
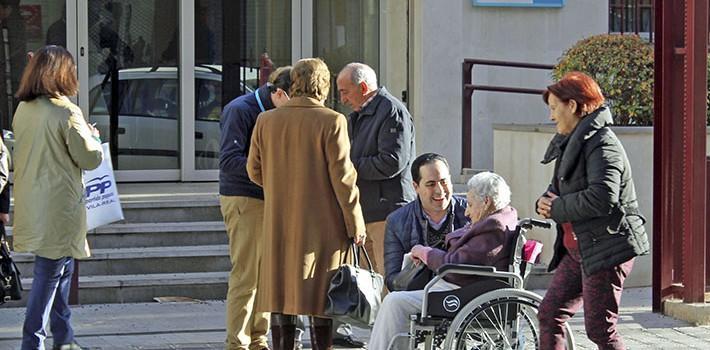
(382, 150)
(596, 194)
(407, 227)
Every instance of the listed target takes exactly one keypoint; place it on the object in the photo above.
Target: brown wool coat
(299, 154)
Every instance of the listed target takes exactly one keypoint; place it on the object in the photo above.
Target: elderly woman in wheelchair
(476, 300)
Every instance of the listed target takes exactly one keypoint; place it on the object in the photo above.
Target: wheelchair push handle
(529, 223)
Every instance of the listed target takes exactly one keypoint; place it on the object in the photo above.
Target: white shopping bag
(101, 195)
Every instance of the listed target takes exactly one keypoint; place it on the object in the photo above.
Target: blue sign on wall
(519, 3)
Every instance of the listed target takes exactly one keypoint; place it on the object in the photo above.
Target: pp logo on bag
(99, 192)
(452, 303)
(96, 184)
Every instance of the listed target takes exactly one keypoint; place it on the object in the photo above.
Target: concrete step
(158, 234)
(144, 260)
(152, 211)
(143, 288)
(155, 234)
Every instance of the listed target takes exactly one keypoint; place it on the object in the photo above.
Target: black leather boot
(283, 331)
(321, 333)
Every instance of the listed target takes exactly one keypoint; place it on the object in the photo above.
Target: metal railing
(468, 88)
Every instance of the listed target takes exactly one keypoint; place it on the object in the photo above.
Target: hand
(5, 218)
(360, 239)
(544, 204)
(419, 253)
(94, 130)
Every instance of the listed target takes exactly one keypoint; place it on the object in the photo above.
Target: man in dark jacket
(426, 220)
(242, 206)
(382, 149)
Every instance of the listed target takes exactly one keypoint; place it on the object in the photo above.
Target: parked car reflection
(148, 123)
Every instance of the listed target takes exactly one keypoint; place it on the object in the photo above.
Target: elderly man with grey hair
(486, 240)
(382, 149)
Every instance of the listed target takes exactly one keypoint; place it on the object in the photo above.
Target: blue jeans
(49, 301)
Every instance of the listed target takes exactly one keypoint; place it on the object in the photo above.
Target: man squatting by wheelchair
(485, 240)
(593, 201)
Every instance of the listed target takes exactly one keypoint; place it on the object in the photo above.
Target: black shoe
(349, 342)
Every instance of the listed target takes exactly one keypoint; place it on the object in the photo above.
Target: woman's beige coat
(300, 155)
(52, 146)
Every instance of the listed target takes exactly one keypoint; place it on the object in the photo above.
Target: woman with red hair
(593, 201)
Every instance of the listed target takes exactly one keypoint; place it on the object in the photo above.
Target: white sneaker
(72, 346)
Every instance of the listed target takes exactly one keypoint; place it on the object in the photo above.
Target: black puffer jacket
(596, 194)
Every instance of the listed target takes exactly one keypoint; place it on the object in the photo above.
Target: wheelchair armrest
(464, 269)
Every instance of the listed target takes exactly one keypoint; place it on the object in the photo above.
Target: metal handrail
(468, 88)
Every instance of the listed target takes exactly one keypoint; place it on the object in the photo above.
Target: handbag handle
(356, 250)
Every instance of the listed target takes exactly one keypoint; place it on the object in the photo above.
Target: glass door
(235, 45)
(158, 73)
(129, 74)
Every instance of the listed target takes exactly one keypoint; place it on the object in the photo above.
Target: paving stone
(200, 325)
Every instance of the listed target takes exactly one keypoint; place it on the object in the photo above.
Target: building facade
(154, 74)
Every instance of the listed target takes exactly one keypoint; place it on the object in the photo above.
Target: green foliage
(622, 65)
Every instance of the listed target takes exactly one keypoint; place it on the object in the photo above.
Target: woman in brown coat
(300, 155)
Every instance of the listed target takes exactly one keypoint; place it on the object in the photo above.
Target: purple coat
(487, 242)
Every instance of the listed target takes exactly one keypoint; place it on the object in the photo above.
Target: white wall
(446, 32)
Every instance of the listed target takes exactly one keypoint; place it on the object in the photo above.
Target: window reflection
(231, 57)
(346, 31)
(24, 26)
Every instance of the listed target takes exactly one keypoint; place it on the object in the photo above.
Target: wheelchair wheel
(504, 319)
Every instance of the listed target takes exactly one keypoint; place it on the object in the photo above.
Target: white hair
(360, 72)
(487, 184)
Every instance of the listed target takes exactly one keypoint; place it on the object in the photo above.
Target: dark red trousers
(600, 294)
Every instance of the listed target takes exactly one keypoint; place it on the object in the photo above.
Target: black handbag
(412, 277)
(355, 293)
(10, 283)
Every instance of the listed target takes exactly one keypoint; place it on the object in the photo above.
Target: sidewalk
(200, 325)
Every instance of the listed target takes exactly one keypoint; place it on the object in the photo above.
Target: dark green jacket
(596, 194)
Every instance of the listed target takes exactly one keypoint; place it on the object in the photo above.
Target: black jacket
(237, 124)
(407, 227)
(596, 194)
(382, 150)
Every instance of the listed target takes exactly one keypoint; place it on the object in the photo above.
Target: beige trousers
(375, 245)
(243, 217)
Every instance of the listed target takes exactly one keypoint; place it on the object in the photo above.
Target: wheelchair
(492, 313)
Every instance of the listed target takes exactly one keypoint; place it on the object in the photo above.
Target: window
(631, 16)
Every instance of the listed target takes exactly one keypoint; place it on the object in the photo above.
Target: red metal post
(679, 139)
(667, 90)
(694, 159)
(466, 112)
(74, 288)
(707, 227)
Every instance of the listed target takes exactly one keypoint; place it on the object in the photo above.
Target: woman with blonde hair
(53, 144)
(299, 154)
